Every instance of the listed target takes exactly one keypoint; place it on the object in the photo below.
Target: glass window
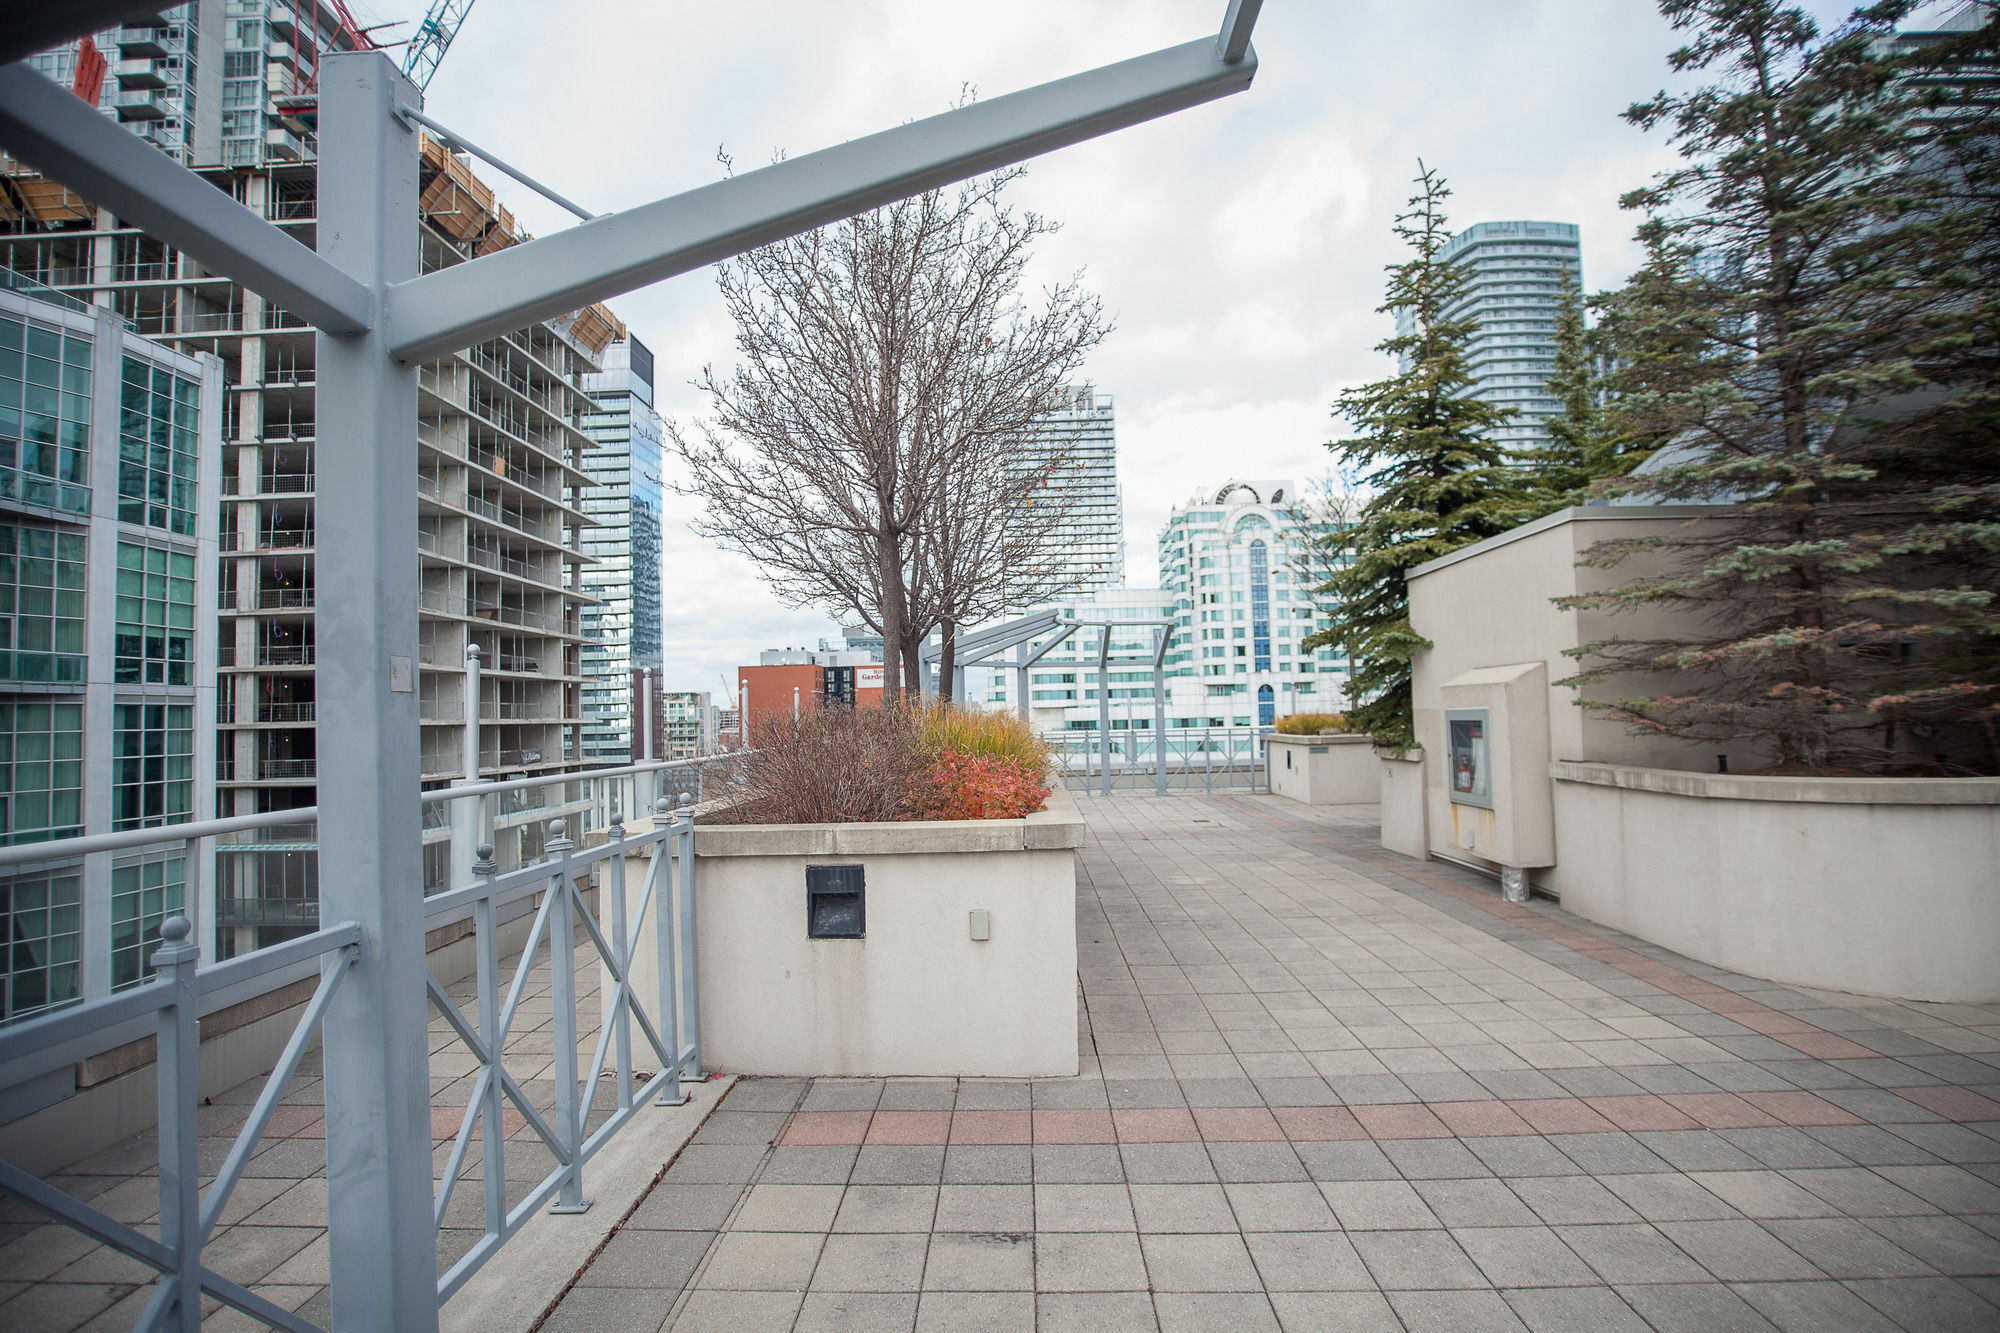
(42, 576)
(157, 442)
(152, 770)
(44, 415)
(42, 915)
(142, 896)
(155, 636)
(41, 770)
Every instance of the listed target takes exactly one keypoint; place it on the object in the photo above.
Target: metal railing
(1205, 758)
(32, 488)
(646, 1045)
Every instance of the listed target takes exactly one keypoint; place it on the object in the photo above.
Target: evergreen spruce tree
(1438, 481)
(1813, 336)
(1583, 445)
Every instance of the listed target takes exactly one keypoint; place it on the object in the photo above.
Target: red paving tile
(1800, 1108)
(1952, 1103)
(1771, 1023)
(1074, 1127)
(1825, 1046)
(1401, 1120)
(1561, 1115)
(992, 1127)
(821, 1128)
(910, 1127)
(1640, 1113)
(1155, 1125)
(1720, 1110)
(1237, 1124)
(1318, 1124)
(1472, 1120)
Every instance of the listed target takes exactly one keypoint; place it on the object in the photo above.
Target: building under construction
(227, 87)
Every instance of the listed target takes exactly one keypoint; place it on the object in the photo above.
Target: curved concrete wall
(1886, 886)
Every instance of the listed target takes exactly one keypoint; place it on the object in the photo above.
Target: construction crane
(433, 39)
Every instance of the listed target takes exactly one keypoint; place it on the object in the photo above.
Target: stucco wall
(1401, 792)
(1491, 605)
(1879, 885)
(1324, 770)
(917, 995)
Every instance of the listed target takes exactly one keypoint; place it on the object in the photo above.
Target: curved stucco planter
(917, 995)
(1886, 886)
(1323, 770)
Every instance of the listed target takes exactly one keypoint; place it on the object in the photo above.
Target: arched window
(1260, 606)
(1267, 706)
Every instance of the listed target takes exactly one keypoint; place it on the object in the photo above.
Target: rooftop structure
(1516, 272)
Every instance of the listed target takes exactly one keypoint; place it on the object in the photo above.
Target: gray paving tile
(1697, 1307)
(761, 1261)
(1739, 1251)
(1197, 1262)
(634, 1258)
(809, 1165)
(1948, 1244)
(1347, 1160)
(857, 1312)
(1307, 1261)
(1669, 1197)
(1082, 1208)
(1812, 1307)
(1527, 1256)
(1182, 1208)
(1433, 1159)
(899, 1164)
(1416, 1260)
(1349, 1311)
(1095, 1312)
(1089, 1261)
(1515, 1157)
(1255, 1162)
(1934, 1305)
(997, 1164)
(1454, 1312)
(1574, 1310)
(607, 1307)
(1078, 1163)
(1206, 1311)
(1475, 1203)
(994, 1261)
(886, 1208)
(875, 1262)
(1166, 1163)
(1572, 1200)
(1844, 1248)
(975, 1311)
(1375, 1205)
(985, 1208)
(1634, 1253)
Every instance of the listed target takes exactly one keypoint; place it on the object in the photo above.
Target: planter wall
(1886, 886)
(1323, 770)
(916, 995)
(1400, 789)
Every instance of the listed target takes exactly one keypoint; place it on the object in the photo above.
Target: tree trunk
(913, 664)
(889, 566)
(947, 656)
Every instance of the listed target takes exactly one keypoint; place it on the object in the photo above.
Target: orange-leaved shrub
(959, 785)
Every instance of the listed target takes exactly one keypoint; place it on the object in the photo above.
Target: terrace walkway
(1323, 1087)
(1326, 1087)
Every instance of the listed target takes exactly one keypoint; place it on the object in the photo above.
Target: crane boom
(433, 39)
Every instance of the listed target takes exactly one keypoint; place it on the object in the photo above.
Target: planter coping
(1742, 787)
(1058, 828)
(1326, 738)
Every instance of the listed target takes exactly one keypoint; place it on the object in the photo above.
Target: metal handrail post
(180, 1168)
(562, 1001)
(613, 883)
(660, 876)
(689, 969)
(493, 1135)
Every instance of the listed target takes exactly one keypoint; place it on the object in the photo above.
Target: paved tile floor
(1325, 1087)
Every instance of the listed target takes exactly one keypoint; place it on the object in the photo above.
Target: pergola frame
(1019, 634)
(377, 319)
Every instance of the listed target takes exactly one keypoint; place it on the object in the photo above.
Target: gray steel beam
(28, 28)
(378, 1094)
(1233, 42)
(454, 307)
(53, 131)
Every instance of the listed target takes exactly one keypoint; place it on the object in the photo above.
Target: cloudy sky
(1239, 245)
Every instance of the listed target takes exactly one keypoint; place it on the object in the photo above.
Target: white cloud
(1240, 245)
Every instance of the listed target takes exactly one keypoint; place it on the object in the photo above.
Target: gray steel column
(378, 1133)
(643, 784)
(1104, 711)
(466, 825)
(743, 715)
(1021, 677)
(1160, 715)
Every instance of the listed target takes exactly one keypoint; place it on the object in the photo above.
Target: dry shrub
(828, 766)
(1310, 724)
(927, 760)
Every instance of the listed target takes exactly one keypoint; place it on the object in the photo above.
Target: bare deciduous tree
(889, 367)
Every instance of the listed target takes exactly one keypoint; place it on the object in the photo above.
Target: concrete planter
(1323, 770)
(916, 995)
(1400, 789)
(1885, 886)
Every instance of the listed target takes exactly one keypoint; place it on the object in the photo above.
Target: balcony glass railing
(31, 488)
(34, 668)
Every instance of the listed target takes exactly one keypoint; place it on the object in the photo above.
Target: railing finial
(485, 865)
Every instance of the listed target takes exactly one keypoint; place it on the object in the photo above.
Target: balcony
(285, 654)
(142, 104)
(33, 490)
(143, 73)
(19, 666)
